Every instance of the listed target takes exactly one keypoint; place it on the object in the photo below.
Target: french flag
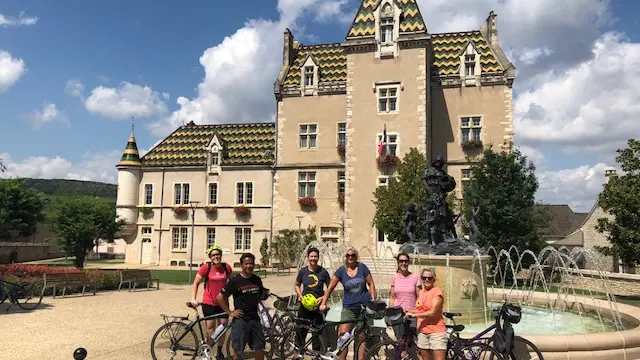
(383, 141)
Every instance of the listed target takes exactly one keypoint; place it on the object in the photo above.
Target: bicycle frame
(197, 322)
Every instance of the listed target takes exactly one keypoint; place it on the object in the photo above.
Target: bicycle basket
(512, 313)
(285, 305)
(394, 316)
(375, 309)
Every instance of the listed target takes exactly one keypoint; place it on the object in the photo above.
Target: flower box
(307, 202)
(180, 210)
(341, 200)
(146, 210)
(242, 210)
(342, 149)
(388, 160)
(211, 210)
(472, 145)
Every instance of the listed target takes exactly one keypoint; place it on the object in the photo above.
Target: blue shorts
(246, 332)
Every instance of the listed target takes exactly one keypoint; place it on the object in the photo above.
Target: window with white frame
(391, 145)
(342, 133)
(148, 194)
(213, 193)
(308, 76)
(470, 61)
(211, 237)
(382, 180)
(306, 184)
(465, 177)
(215, 158)
(243, 239)
(342, 182)
(244, 193)
(470, 128)
(387, 98)
(386, 30)
(331, 234)
(181, 194)
(308, 136)
(179, 238)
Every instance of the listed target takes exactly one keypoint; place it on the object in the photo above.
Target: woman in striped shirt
(404, 287)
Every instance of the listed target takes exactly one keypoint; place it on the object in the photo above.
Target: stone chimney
(287, 49)
(608, 174)
(492, 28)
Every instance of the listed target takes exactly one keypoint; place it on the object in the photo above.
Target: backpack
(209, 266)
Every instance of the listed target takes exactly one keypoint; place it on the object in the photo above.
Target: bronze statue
(438, 184)
(410, 220)
(474, 231)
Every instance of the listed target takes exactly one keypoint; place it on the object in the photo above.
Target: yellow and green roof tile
(130, 157)
(245, 144)
(364, 23)
(448, 47)
(330, 58)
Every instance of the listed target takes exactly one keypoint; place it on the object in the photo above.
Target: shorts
(209, 310)
(247, 332)
(352, 315)
(433, 341)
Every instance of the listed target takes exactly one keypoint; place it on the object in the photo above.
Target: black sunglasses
(427, 278)
(351, 255)
(403, 261)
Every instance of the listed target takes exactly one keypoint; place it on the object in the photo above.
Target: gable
(364, 25)
(448, 47)
(245, 144)
(330, 59)
(562, 220)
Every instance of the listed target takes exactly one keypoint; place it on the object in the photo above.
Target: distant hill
(62, 187)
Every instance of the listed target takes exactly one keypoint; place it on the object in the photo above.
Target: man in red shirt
(215, 275)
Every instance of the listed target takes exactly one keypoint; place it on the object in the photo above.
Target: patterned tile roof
(364, 23)
(330, 58)
(244, 144)
(130, 157)
(448, 47)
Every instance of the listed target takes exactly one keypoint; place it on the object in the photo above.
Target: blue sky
(575, 92)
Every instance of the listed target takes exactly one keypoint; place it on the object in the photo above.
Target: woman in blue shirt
(359, 288)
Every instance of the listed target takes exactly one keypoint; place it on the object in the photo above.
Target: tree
(621, 199)
(78, 221)
(403, 188)
(264, 251)
(21, 209)
(504, 185)
(2, 167)
(287, 246)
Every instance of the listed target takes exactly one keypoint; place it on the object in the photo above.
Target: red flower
(242, 210)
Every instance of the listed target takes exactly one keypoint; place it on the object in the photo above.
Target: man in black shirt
(247, 291)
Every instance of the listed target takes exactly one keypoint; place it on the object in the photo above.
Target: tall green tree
(621, 198)
(79, 221)
(403, 188)
(21, 209)
(504, 185)
(287, 246)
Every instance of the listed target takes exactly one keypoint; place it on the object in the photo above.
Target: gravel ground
(110, 325)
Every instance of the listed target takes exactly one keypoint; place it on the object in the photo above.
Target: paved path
(110, 325)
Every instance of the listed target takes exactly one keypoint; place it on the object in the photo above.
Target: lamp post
(299, 228)
(193, 205)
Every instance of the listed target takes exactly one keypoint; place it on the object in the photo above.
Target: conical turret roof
(130, 157)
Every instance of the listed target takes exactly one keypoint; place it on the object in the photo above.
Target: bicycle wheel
(28, 296)
(165, 339)
(523, 349)
(378, 336)
(476, 351)
(388, 350)
(270, 345)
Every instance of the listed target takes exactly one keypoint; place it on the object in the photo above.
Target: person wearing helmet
(309, 285)
(214, 275)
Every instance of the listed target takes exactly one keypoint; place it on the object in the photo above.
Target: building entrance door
(146, 251)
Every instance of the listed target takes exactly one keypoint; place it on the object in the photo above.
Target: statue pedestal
(462, 279)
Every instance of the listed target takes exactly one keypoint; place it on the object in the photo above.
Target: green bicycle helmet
(309, 302)
(213, 248)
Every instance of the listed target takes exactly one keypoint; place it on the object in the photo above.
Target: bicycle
(405, 346)
(16, 293)
(368, 312)
(503, 339)
(283, 318)
(195, 346)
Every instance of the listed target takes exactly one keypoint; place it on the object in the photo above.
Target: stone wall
(25, 252)
(617, 284)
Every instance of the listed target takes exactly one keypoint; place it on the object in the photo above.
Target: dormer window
(387, 18)
(308, 76)
(386, 30)
(470, 65)
(214, 155)
(215, 158)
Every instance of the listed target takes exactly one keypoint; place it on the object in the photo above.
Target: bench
(55, 281)
(134, 277)
(280, 267)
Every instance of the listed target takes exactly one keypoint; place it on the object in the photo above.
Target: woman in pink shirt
(404, 287)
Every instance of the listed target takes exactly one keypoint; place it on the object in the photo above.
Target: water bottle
(217, 331)
(264, 318)
(343, 339)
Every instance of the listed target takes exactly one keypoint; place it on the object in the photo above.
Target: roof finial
(133, 123)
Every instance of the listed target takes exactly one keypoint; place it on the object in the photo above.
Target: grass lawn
(69, 261)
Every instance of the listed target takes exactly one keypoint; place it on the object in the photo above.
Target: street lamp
(193, 205)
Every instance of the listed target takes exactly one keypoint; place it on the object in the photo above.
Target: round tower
(128, 186)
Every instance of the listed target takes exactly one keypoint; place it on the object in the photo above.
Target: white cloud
(49, 113)
(240, 71)
(92, 166)
(123, 102)
(592, 107)
(11, 70)
(21, 20)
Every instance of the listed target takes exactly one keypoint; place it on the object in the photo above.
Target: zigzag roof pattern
(364, 22)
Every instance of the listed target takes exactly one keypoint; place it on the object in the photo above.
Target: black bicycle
(405, 346)
(503, 339)
(28, 296)
(372, 310)
(184, 343)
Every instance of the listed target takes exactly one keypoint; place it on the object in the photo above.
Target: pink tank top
(404, 287)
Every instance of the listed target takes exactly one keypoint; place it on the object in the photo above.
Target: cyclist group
(416, 294)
